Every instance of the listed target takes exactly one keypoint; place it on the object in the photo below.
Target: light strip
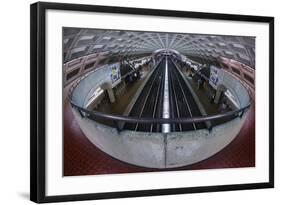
(166, 104)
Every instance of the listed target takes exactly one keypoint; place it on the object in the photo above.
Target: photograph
(133, 102)
(148, 101)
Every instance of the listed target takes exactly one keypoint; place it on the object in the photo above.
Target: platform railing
(91, 114)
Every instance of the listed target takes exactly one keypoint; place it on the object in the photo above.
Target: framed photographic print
(129, 102)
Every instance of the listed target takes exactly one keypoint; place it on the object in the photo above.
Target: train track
(182, 102)
(150, 101)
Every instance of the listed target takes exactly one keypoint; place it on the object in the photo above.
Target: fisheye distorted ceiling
(80, 42)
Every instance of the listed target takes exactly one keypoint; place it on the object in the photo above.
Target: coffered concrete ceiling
(79, 42)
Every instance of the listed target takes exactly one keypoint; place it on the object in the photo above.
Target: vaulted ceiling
(80, 42)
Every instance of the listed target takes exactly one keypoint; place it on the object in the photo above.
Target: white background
(14, 103)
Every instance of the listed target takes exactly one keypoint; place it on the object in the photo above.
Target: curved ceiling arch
(79, 42)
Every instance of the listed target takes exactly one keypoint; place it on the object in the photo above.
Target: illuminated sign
(115, 74)
(215, 76)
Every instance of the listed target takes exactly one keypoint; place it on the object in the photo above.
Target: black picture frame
(38, 100)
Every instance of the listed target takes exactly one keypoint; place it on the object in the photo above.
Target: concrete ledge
(160, 150)
(190, 147)
(138, 148)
